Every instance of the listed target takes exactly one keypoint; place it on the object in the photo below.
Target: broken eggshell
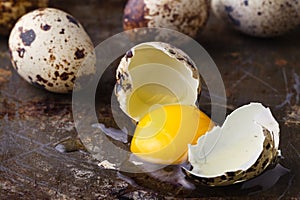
(241, 149)
(48, 46)
(152, 74)
(185, 16)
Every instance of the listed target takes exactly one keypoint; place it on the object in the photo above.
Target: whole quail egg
(186, 16)
(241, 149)
(152, 74)
(11, 10)
(262, 18)
(162, 135)
(48, 46)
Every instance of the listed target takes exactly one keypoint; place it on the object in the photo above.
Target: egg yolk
(162, 135)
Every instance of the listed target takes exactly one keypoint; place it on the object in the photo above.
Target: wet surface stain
(293, 116)
(69, 145)
(4, 76)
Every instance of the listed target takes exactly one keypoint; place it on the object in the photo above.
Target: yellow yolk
(162, 136)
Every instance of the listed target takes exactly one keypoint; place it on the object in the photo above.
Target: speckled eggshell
(48, 46)
(262, 18)
(12, 10)
(186, 16)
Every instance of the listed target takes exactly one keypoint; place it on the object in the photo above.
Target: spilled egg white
(153, 74)
(262, 18)
(241, 149)
(48, 46)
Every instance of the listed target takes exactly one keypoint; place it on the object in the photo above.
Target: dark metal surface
(32, 121)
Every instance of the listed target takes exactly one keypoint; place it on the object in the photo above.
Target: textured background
(32, 121)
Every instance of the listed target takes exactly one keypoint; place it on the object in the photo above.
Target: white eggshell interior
(236, 145)
(157, 79)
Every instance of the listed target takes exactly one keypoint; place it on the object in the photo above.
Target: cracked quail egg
(186, 16)
(263, 18)
(241, 149)
(157, 86)
(48, 46)
(152, 74)
(11, 10)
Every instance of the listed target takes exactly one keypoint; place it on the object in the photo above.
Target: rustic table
(32, 121)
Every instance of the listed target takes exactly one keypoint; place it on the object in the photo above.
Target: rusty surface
(33, 121)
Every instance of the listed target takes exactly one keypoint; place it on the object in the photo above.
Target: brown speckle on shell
(27, 37)
(40, 14)
(66, 62)
(41, 79)
(56, 73)
(21, 52)
(182, 57)
(45, 27)
(62, 31)
(52, 58)
(128, 55)
(79, 54)
(65, 76)
(73, 20)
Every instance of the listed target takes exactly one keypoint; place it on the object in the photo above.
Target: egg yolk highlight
(162, 135)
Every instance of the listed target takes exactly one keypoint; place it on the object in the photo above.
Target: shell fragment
(152, 74)
(241, 149)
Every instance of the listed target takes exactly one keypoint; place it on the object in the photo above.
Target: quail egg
(153, 74)
(262, 18)
(48, 46)
(11, 10)
(241, 149)
(186, 16)
(162, 135)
